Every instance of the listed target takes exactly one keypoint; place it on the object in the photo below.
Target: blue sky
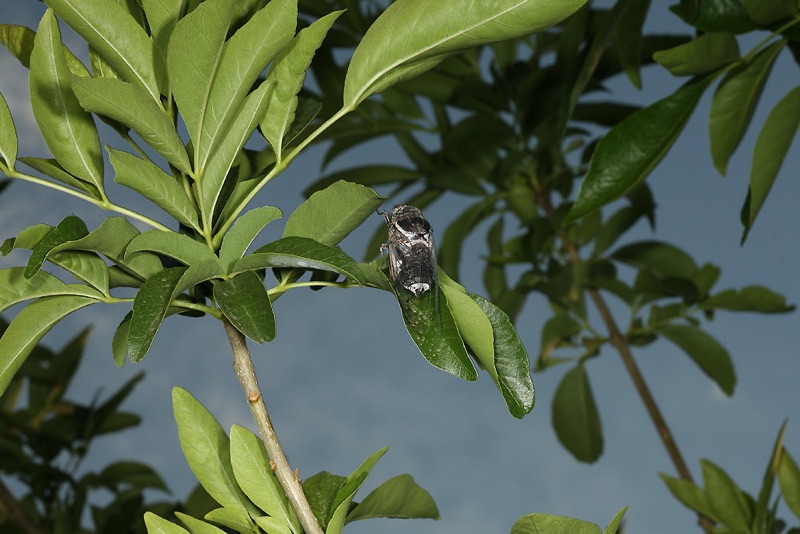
(343, 378)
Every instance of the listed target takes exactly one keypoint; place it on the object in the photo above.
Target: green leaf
(251, 466)
(706, 351)
(629, 151)
(19, 42)
(764, 515)
(154, 184)
(614, 525)
(715, 15)
(575, 417)
(135, 474)
(68, 130)
(734, 103)
(69, 229)
(300, 253)
(704, 54)
(245, 302)
(133, 107)
(725, 498)
(244, 57)
(398, 497)
(222, 160)
(191, 81)
(751, 298)
(162, 15)
(412, 36)
(179, 246)
(341, 504)
(50, 167)
(789, 480)
(328, 216)
(158, 525)
(770, 150)
(321, 490)
(114, 34)
(539, 523)
(688, 493)
(288, 72)
(367, 175)
(197, 526)
(510, 360)
(661, 258)
(628, 39)
(29, 326)
(149, 309)
(15, 287)
(233, 518)
(243, 232)
(119, 343)
(207, 450)
(86, 266)
(449, 256)
(765, 13)
(8, 135)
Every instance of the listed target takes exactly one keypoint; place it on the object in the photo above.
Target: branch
(16, 514)
(288, 480)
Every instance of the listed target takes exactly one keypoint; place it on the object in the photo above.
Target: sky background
(343, 378)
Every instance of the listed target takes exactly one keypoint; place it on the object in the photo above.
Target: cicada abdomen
(412, 254)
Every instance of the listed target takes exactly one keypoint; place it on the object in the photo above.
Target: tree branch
(288, 480)
(16, 514)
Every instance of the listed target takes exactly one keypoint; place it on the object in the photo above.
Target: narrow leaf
(347, 491)
(575, 417)
(196, 526)
(704, 54)
(245, 302)
(68, 130)
(159, 525)
(770, 150)
(287, 74)
(133, 107)
(628, 39)
(706, 352)
(8, 135)
(789, 480)
(726, 498)
(50, 167)
(147, 179)
(398, 497)
(751, 298)
(162, 15)
(19, 42)
(29, 326)
(629, 151)
(243, 232)
(149, 309)
(69, 229)
(692, 496)
(412, 36)
(118, 38)
(735, 102)
(172, 244)
(328, 216)
(614, 524)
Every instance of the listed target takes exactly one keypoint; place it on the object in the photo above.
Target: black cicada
(412, 255)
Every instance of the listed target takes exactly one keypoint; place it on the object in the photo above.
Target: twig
(16, 514)
(288, 480)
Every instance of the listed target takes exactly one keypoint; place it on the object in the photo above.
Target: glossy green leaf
(149, 309)
(179, 246)
(398, 497)
(735, 102)
(321, 490)
(575, 417)
(628, 152)
(714, 15)
(725, 498)
(661, 258)
(19, 42)
(243, 232)
(770, 150)
(69, 229)
(29, 326)
(412, 36)
(688, 493)
(68, 130)
(616, 521)
(133, 107)
(191, 81)
(705, 53)
(50, 167)
(244, 301)
(223, 158)
(765, 13)
(347, 491)
(300, 253)
(159, 525)
(539, 523)
(154, 184)
(244, 57)
(119, 343)
(288, 72)
(510, 360)
(118, 38)
(750, 298)
(8, 135)
(328, 216)
(207, 450)
(706, 351)
(628, 39)
(250, 464)
(789, 480)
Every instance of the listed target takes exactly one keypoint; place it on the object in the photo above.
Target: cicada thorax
(412, 253)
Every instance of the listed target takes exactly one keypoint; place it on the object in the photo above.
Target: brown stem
(287, 478)
(620, 342)
(16, 514)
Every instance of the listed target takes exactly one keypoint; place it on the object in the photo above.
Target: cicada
(412, 255)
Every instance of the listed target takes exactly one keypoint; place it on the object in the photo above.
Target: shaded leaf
(19, 42)
(245, 302)
(50, 167)
(243, 232)
(688, 493)
(706, 352)
(706, 53)
(575, 417)
(149, 309)
(789, 479)
(750, 298)
(71, 228)
(726, 499)
(398, 497)
(8, 135)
